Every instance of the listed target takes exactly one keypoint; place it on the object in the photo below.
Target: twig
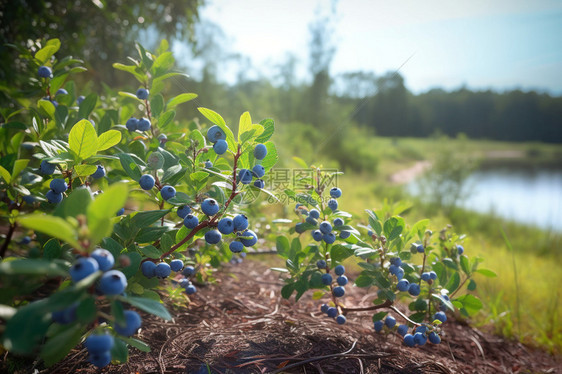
(404, 316)
(7, 241)
(386, 304)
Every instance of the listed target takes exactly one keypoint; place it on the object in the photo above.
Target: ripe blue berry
(143, 124)
(240, 222)
(420, 248)
(259, 183)
(208, 164)
(425, 276)
(378, 326)
(338, 222)
(188, 271)
(338, 291)
(392, 269)
(220, 146)
(342, 280)
(190, 221)
(434, 338)
(332, 312)
(162, 270)
(190, 290)
(419, 338)
(335, 192)
(345, 234)
(213, 237)
(183, 211)
(25, 240)
(409, 340)
(148, 268)
(79, 99)
(421, 329)
(299, 228)
(460, 249)
(210, 207)
(112, 282)
(399, 273)
(311, 221)
(215, 133)
(333, 204)
(317, 235)
(432, 275)
(326, 279)
(339, 270)
(104, 258)
(100, 359)
(142, 93)
(167, 192)
(47, 168)
(321, 264)
(61, 91)
(414, 289)
(176, 265)
(390, 321)
(132, 324)
(441, 316)
(259, 171)
(248, 242)
(82, 268)
(245, 176)
(260, 151)
(120, 212)
(403, 285)
(314, 213)
(226, 226)
(58, 185)
(132, 124)
(396, 261)
(99, 343)
(45, 72)
(99, 173)
(236, 247)
(324, 308)
(329, 238)
(341, 319)
(146, 182)
(325, 227)
(402, 330)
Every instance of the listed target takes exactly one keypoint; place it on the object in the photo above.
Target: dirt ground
(242, 325)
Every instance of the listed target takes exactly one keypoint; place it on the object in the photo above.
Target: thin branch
(404, 316)
(386, 304)
(7, 241)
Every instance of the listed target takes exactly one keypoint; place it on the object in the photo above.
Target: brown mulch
(242, 325)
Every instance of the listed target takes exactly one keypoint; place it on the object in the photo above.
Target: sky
(480, 44)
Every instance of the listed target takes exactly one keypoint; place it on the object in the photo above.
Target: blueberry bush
(429, 271)
(102, 196)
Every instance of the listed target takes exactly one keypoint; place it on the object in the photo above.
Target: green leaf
(140, 345)
(130, 166)
(166, 118)
(51, 249)
(20, 336)
(108, 139)
(471, 285)
(149, 306)
(156, 105)
(244, 125)
(103, 208)
(61, 116)
(50, 225)
(119, 352)
(5, 174)
(215, 118)
(487, 273)
(150, 251)
(465, 264)
(58, 346)
(340, 252)
(87, 310)
(282, 245)
(453, 282)
(268, 129)
(393, 227)
(33, 267)
(363, 281)
(287, 290)
(83, 140)
(132, 269)
(87, 105)
(271, 158)
(469, 304)
(147, 218)
(85, 170)
(76, 203)
(44, 54)
(180, 99)
(47, 107)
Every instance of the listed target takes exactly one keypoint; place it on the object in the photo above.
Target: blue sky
(501, 44)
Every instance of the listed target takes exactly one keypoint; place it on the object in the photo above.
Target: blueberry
(240, 222)
(210, 207)
(345, 234)
(79, 99)
(338, 222)
(434, 338)
(29, 199)
(419, 338)
(421, 329)
(335, 192)
(342, 280)
(245, 176)
(148, 268)
(432, 275)
(317, 235)
(251, 241)
(414, 289)
(392, 269)
(99, 343)
(259, 171)
(329, 238)
(324, 308)
(299, 228)
(402, 329)
(213, 237)
(220, 146)
(144, 124)
(332, 312)
(399, 273)
(132, 124)
(82, 268)
(341, 319)
(215, 133)
(25, 240)
(176, 265)
(120, 212)
(162, 270)
(396, 261)
(339, 270)
(188, 271)
(333, 204)
(142, 93)
(132, 324)
(403, 285)
(190, 290)
(236, 246)
(208, 164)
(338, 291)
(61, 91)
(260, 151)
(321, 264)
(99, 173)
(167, 192)
(390, 321)
(58, 185)
(190, 221)
(112, 282)
(326, 279)
(441, 316)
(226, 226)
(409, 340)
(45, 72)
(420, 248)
(311, 221)
(146, 182)
(378, 326)
(425, 276)
(460, 249)
(259, 183)
(104, 258)
(65, 316)
(325, 227)
(183, 211)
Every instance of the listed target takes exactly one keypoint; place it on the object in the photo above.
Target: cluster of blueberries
(337, 291)
(403, 284)
(163, 270)
(58, 185)
(112, 282)
(245, 176)
(142, 124)
(420, 334)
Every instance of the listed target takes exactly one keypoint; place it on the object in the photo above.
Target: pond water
(529, 196)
